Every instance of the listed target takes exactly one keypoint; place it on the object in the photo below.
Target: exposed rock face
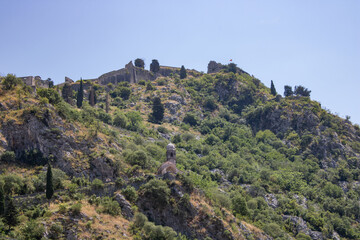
(271, 200)
(46, 134)
(125, 206)
(214, 67)
(298, 225)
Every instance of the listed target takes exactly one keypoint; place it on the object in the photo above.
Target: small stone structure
(35, 81)
(214, 67)
(170, 165)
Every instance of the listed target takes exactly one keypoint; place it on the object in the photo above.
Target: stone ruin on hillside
(36, 82)
(169, 167)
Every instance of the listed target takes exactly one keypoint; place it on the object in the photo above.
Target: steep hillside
(253, 165)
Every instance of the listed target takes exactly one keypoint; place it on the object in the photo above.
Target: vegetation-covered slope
(253, 165)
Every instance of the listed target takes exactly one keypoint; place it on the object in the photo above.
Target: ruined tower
(171, 153)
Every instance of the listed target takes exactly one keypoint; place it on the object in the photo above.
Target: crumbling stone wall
(129, 74)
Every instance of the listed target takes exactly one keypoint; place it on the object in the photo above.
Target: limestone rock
(125, 206)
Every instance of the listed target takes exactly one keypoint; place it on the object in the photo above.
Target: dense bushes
(157, 191)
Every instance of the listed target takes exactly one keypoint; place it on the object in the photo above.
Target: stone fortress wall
(36, 81)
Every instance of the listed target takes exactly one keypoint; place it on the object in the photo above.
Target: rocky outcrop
(125, 206)
(298, 225)
(43, 134)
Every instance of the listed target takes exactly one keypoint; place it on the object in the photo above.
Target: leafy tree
(49, 183)
(120, 120)
(182, 72)
(11, 213)
(139, 63)
(10, 81)
(134, 120)
(138, 158)
(231, 67)
(190, 118)
(154, 66)
(158, 109)
(80, 95)
(125, 93)
(156, 190)
(210, 103)
(302, 91)
(239, 205)
(272, 89)
(288, 92)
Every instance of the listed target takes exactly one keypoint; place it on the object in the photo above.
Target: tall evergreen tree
(158, 110)
(272, 88)
(154, 66)
(80, 95)
(11, 213)
(107, 103)
(49, 183)
(2, 201)
(182, 72)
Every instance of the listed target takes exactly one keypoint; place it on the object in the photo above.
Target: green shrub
(140, 220)
(120, 120)
(8, 156)
(156, 190)
(191, 119)
(138, 158)
(142, 82)
(130, 193)
(97, 184)
(110, 206)
(51, 94)
(10, 81)
(76, 208)
(56, 231)
(33, 230)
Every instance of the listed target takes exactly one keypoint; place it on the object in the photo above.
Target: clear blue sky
(307, 42)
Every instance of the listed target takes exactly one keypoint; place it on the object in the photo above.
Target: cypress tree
(2, 201)
(158, 110)
(107, 103)
(80, 95)
(182, 72)
(11, 213)
(272, 89)
(49, 183)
